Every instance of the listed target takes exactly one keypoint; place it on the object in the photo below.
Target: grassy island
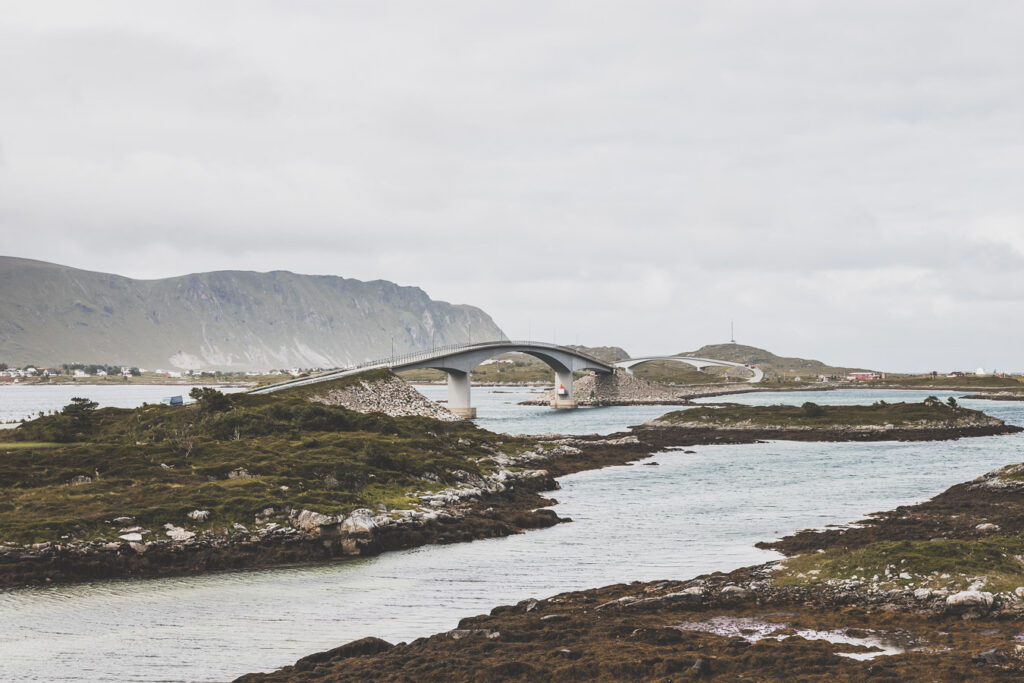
(68, 475)
(931, 413)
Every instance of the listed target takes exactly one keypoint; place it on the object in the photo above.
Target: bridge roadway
(458, 360)
(699, 363)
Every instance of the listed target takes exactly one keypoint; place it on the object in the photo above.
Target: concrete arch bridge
(699, 363)
(458, 360)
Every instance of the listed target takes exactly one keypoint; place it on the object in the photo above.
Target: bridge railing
(437, 351)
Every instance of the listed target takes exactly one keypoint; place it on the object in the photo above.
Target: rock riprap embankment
(618, 388)
(389, 395)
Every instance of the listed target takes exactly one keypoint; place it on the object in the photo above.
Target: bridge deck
(418, 358)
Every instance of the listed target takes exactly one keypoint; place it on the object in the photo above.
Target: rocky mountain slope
(226, 320)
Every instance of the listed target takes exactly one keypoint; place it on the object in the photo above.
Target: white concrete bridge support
(566, 400)
(458, 394)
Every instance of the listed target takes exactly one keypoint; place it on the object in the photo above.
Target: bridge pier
(458, 394)
(566, 401)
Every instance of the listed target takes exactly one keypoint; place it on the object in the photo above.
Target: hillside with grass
(772, 364)
(67, 475)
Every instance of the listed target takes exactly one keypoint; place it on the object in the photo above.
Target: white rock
(359, 522)
(307, 520)
(987, 526)
(735, 592)
(970, 599)
(922, 594)
(905, 576)
(131, 538)
(176, 533)
(199, 515)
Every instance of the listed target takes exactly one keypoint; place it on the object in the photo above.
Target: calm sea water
(688, 515)
(26, 401)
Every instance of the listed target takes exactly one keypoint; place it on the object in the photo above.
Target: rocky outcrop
(390, 395)
(617, 388)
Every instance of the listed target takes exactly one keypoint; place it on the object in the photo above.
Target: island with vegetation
(1005, 394)
(930, 419)
(245, 480)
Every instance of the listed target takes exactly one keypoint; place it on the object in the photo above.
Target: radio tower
(732, 333)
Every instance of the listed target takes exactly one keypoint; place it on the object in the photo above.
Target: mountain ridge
(219, 320)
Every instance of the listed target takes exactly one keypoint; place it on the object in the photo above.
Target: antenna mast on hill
(732, 333)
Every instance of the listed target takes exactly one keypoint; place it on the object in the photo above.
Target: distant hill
(767, 361)
(223, 320)
(606, 353)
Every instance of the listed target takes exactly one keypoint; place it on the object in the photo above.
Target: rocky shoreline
(504, 503)
(714, 626)
(757, 621)
(996, 396)
(621, 388)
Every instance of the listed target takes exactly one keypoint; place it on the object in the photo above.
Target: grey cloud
(841, 178)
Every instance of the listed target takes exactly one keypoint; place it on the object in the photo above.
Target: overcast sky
(845, 180)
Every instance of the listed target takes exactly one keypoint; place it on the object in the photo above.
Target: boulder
(359, 522)
(133, 537)
(176, 533)
(199, 515)
(734, 593)
(969, 601)
(308, 520)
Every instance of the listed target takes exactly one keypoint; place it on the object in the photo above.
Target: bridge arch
(563, 360)
(699, 363)
(457, 361)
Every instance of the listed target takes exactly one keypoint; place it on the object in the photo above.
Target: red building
(862, 376)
